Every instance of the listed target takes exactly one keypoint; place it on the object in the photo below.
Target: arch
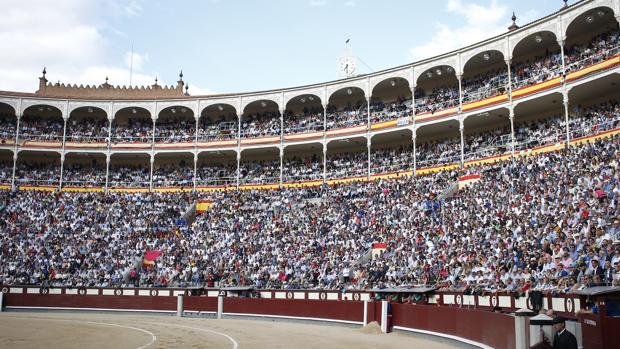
(538, 39)
(344, 91)
(177, 110)
(132, 111)
(443, 71)
(261, 105)
(13, 103)
(56, 104)
(89, 110)
(106, 107)
(44, 109)
(572, 17)
(188, 105)
(258, 100)
(9, 108)
(303, 99)
(393, 82)
(218, 107)
(405, 74)
(483, 57)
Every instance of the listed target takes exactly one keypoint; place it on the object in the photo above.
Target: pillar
(238, 129)
(413, 139)
(367, 113)
(109, 133)
(195, 170)
(62, 167)
(566, 120)
(151, 178)
(180, 305)
(412, 87)
(281, 164)
(238, 167)
(369, 146)
(324, 118)
(15, 152)
(561, 43)
(220, 304)
(107, 172)
(462, 129)
(153, 133)
(324, 162)
(512, 130)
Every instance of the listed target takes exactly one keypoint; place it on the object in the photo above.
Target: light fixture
(393, 83)
(429, 74)
(302, 100)
(590, 19)
(133, 110)
(438, 71)
(538, 39)
(263, 104)
(486, 56)
(183, 110)
(49, 109)
(311, 98)
(90, 110)
(40, 108)
(449, 70)
(349, 91)
(173, 111)
(600, 13)
(220, 108)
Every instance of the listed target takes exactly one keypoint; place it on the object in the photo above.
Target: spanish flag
(203, 205)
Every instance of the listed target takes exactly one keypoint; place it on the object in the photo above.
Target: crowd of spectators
(175, 130)
(259, 172)
(260, 125)
(37, 173)
(174, 175)
(600, 48)
(382, 111)
(482, 86)
(6, 170)
(129, 175)
(531, 224)
(346, 165)
(439, 98)
(308, 120)
(441, 151)
(88, 130)
(37, 128)
(8, 123)
(83, 175)
(353, 114)
(394, 159)
(223, 128)
(134, 131)
(216, 173)
(305, 168)
(539, 69)
(595, 119)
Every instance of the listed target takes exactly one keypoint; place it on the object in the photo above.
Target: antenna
(131, 65)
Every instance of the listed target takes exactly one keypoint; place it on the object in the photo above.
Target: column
(459, 77)
(413, 139)
(367, 113)
(107, 172)
(566, 120)
(195, 169)
(324, 119)
(238, 129)
(14, 167)
(281, 164)
(369, 146)
(281, 126)
(462, 129)
(561, 43)
(62, 168)
(15, 151)
(324, 162)
(512, 130)
(238, 167)
(151, 177)
(412, 87)
(110, 133)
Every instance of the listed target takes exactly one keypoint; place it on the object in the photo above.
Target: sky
(234, 46)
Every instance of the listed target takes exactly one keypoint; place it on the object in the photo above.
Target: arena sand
(99, 331)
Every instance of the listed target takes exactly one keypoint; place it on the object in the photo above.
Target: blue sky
(233, 45)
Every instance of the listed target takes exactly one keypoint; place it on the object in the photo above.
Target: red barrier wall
(84, 301)
(199, 303)
(493, 329)
(348, 311)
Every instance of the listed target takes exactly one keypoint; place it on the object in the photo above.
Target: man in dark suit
(608, 273)
(562, 338)
(596, 268)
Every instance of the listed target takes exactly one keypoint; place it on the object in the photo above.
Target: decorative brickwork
(107, 91)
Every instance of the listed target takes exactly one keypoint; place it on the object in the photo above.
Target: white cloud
(70, 38)
(317, 3)
(199, 91)
(481, 22)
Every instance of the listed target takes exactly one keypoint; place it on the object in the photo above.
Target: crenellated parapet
(108, 91)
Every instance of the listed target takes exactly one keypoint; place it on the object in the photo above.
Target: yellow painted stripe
(131, 145)
(173, 189)
(83, 190)
(302, 184)
(439, 114)
(593, 68)
(348, 130)
(384, 124)
(434, 169)
(85, 145)
(524, 91)
(485, 102)
(258, 186)
(128, 190)
(391, 175)
(217, 144)
(260, 140)
(37, 188)
(348, 180)
(300, 136)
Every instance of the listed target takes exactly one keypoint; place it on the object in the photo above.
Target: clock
(347, 66)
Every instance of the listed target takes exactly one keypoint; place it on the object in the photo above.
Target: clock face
(347, 66)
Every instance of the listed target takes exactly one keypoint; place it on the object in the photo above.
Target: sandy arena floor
(98, 331)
